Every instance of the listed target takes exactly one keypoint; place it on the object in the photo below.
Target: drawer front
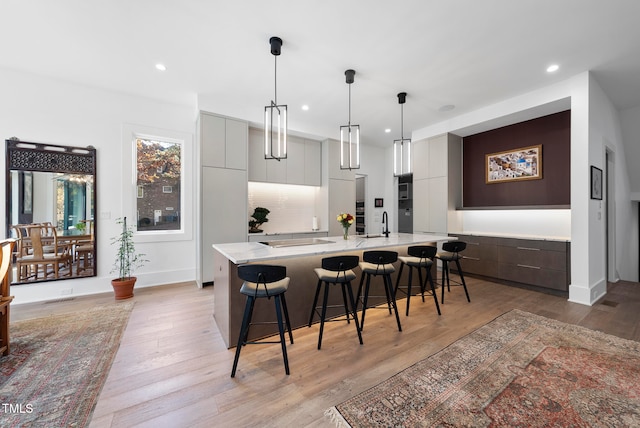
(477, 267)
(533, 257)
(481, 252)
(540, 244)
(476, 240)
(546, 278)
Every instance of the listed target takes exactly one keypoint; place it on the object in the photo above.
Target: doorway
(610, 216)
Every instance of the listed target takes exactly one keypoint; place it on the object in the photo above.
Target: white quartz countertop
(244, 252)
(515, 236)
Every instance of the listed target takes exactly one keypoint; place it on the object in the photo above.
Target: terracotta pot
(123, 289)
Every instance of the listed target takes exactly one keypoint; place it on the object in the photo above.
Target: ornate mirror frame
(28, 158)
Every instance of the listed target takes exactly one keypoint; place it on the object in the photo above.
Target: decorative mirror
(51, 206)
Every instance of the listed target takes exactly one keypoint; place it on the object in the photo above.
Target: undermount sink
(379, 235)
(296, 242)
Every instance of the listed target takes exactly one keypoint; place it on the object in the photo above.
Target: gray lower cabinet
(537, 262)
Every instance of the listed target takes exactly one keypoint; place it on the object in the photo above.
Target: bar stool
(451, 253)
(336, 270)
(378, 263)
(420, 256)
(263, 281)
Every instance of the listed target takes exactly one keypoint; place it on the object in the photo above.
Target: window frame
(130, 186)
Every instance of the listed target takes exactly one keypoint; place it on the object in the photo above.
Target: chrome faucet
(385, 221)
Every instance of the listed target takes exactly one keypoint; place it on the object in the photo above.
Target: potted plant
(260, 216)
(127, 260)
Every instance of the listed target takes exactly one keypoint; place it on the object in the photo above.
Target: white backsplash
(291, 207)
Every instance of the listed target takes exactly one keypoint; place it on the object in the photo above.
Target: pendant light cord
(349, 107)
(275, 79)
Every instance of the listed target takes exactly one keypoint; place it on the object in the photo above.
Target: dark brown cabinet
(537, 262)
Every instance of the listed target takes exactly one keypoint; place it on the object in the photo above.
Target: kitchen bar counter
(300, 261)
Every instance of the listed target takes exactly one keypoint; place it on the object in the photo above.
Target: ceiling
(465, 53)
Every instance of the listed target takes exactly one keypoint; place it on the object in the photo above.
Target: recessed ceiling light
(447, 107)
(161, 67)
(552, 68)
(388, 130)
(305, 107)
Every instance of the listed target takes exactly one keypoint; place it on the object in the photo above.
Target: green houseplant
(126, 261)
(260, 216)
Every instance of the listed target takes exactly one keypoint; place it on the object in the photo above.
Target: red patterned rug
(58, 365)
(520, 370)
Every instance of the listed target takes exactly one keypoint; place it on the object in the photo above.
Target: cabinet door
(224, 207)
(438, 156)
(277, 170)
(236, 144)
(421, 205)
(312, 163)
(342, 199)
(334, 163)
(438, 204)
(212, 140)
(295, 161)
(257, 168)
(420, 159)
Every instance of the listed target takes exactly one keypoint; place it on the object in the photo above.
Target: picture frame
(596, 183)
(524, 163)
(378, 202)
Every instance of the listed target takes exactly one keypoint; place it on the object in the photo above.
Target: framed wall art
(596, 183)
(518, 164)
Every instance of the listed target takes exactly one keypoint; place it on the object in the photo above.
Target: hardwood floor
(172, 368)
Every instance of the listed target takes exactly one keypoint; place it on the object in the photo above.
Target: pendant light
(275, 116)
(402, 147)
(350, 135)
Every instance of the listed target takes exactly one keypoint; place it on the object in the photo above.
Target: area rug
(520, 370)
(58, 365)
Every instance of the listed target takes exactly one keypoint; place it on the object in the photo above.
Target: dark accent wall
(553, 132)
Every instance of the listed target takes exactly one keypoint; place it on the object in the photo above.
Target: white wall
(50, 111)
(605, 133)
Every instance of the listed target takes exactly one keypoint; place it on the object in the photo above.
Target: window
(159, 175)
(153, 159)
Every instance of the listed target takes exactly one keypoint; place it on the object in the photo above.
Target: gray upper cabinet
(437, 185)
(302, 166)
(219, 138)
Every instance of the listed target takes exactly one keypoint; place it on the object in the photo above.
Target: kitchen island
(300, 257)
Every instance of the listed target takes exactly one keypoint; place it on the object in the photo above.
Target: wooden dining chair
(5, 299)
(38, 262)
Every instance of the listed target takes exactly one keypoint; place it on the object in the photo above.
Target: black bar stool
(420, 256)
(336, 270)
(451, 253)
(263, 281)
(378, 263)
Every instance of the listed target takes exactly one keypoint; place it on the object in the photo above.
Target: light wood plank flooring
(172, 368)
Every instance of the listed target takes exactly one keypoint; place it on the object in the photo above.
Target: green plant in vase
(126, 262)
(260, 216)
